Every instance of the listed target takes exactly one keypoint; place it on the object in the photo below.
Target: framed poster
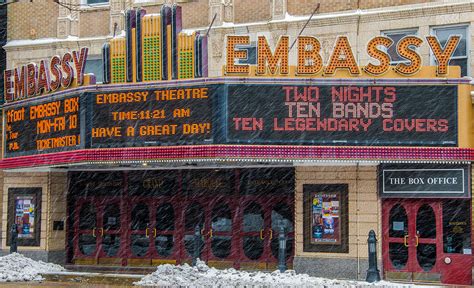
(325, 218)
(24, 210)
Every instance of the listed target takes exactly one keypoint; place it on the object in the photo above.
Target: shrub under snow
(203, 276)
(16, 267)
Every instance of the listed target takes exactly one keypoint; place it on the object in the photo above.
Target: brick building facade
(42, 28)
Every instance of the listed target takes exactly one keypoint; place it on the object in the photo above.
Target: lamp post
(373, 273)
(282, 248)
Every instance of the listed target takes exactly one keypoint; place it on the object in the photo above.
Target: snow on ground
(16, 267)
(203, 276)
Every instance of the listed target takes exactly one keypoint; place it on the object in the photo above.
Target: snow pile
(16, 267)
(203, 276)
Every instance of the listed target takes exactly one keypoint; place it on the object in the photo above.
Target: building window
(251, 53)
(456, 227)
(95, 2)
(460, 56)
(24, 210)
(326, 218)
(396, 35)
(95, 66)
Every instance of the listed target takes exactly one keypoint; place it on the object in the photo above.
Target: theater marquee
(343, 114)
(156, 106)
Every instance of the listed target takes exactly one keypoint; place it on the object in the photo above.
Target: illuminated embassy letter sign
(310, 60)
(33, 80)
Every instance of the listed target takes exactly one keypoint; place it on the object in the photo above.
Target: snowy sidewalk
(204, 276)
(16, 267)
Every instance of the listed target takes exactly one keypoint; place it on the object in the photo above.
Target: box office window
(326, 218)
(456, 227)
(24, 210)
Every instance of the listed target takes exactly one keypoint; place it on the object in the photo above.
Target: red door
(413, 242)
(110, 234)
(139, 224)
(219, 236)
(152, 234)
(261, 219)
(97, 227)
(85, 232)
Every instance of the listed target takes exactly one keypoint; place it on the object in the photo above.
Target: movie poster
(325, 220)
(25, 216)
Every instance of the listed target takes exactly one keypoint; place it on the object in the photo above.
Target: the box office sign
(343, 114)
(424, 181)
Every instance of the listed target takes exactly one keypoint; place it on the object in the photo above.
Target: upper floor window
(93, 2)
(460, 55)
(94, 65)
(251, 53)
(396, 35)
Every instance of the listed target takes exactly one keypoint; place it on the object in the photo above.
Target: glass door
(411, 239)
(164, 235)
(219, 243)
(140, 231)
(281, 216)
(85, 232)
(110, 230)
(194, 215)
(255, 234)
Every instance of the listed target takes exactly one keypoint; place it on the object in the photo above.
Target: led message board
(153, 117)
(342, 115)
(42, 127)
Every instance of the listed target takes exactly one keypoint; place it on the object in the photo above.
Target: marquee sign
(237, 117)
(153, 117)
(342, 115)
(42, 127)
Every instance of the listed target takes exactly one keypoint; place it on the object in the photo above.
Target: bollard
(282, 249)
(197, 244)
(373, 273)
(13, 238)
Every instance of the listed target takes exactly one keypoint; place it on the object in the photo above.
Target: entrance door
(98, 228)
(261, 221)
(140, 231)
(152, 234)
(413, 241)
(85, 232)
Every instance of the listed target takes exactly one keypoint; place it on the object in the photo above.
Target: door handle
(417, 241)
(154, 232)
(271, 234)
(93, 233)
(101, 231)
(146, 232)
(261, 234)
(405, 241)
(210, 233)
